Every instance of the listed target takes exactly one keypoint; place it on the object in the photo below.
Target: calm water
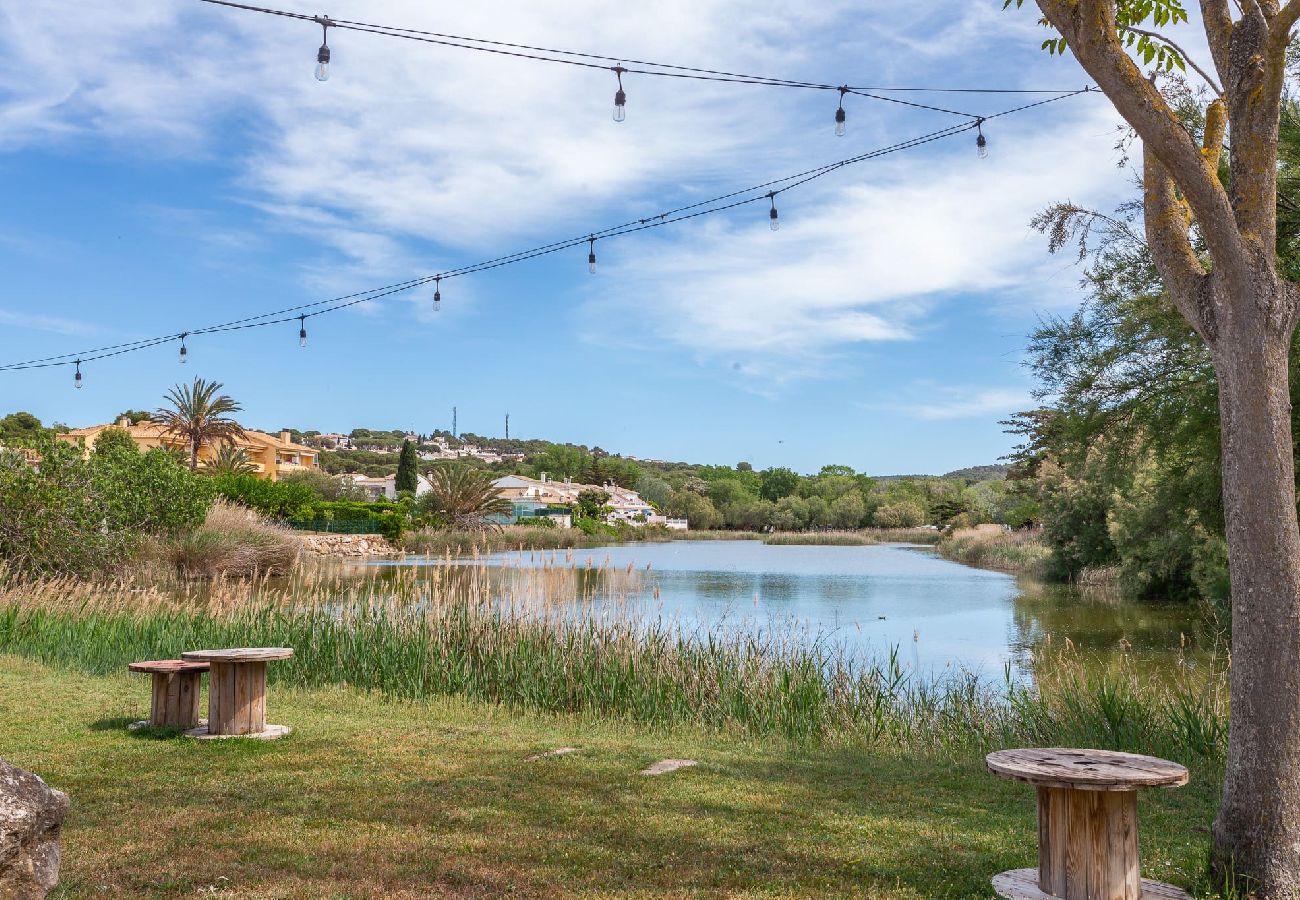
(939, 614)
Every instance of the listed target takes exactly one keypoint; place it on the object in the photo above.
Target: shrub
(236, 541)
(84, 514)
(277, 499)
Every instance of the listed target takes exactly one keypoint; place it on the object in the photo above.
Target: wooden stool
(1087, 823)
(237, 692)
(175, 701)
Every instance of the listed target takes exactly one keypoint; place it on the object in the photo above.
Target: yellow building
(271, 456)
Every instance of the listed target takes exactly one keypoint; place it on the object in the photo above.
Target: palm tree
(199, 414)
(229, 460)
(465, 496)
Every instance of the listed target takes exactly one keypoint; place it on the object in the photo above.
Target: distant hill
(970, 473)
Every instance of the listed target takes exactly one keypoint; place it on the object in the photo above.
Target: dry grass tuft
(234, 541)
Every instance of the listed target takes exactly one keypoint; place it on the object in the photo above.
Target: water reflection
(939, 614)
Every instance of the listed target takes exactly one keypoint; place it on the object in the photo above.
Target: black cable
(667, 70)
(720, 203)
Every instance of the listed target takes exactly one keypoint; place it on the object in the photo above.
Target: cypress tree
(407, 479)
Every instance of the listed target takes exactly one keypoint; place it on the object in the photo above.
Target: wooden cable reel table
(237, 692)
(1087, 823)
(175, 698)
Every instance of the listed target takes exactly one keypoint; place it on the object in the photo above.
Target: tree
(21, 429)
(593, 504)
(777, 483)
(408, 477)
(228, 460)
(848, 510)
(133, 416)
(904, 514)
(1246, 312)
(199, 415)
(464, 496)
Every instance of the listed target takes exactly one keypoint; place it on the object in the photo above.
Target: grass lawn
(378, 799)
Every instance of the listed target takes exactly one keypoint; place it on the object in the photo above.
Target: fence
(355, 526)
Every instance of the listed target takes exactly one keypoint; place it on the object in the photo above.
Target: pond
(936, 614)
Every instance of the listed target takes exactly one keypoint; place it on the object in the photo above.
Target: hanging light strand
(599, 61)
(714, 205)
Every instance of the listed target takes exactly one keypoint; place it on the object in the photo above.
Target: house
(386, 486)
(542, 496)
(271, 456)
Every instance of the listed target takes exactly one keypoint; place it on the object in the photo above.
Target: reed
(559, 636)
(1021, 552)
(437, 542)
(863, 537)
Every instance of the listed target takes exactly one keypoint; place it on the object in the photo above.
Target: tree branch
(1168, 220)
(1218, 31)
(1090, 31)
(1181, 52)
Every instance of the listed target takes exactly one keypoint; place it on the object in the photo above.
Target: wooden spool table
(237, 692)
(175, 702)
(1087, 823)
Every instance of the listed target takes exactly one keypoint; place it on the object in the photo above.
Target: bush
(84, 514)
(277, 499)
(325, 486)
(391, 518)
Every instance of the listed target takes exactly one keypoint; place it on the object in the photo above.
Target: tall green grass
(545, 644)
(1020, 552)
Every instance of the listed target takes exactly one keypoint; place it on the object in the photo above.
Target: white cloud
(970, 403)
(52, 324)
(866, 255)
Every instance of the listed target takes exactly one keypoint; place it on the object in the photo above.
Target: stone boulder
(31, 813)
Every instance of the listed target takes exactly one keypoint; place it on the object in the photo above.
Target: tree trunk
(194, 454)
(1257, 832)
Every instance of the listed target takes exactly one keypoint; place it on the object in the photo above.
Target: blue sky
(169, 164)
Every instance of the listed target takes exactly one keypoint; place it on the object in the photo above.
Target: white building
(387, 486)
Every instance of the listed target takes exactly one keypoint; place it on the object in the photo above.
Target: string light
(302, 332)
(437, 294)
(591, 255)
(620, 96)
(184, 356)
(323, 54)
(77, 381)
(599, 61)
(981, 142)
(711, 206)
(839, 114)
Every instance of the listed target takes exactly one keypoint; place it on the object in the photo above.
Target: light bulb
(184, 353)
(323, 63)
(77, 382)
(437, 296)
(302, 332)
(591, 263)
(620, 104)
(773, 222)
(981, 144)
(840, 127)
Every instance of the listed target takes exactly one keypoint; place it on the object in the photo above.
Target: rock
(558, 751)
(31, 813)
(664, 766)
